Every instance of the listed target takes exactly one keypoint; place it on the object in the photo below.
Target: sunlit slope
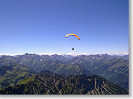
(12, 73)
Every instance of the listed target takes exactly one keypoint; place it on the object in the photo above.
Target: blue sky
(40, 26)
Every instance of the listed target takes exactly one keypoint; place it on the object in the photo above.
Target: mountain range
(64, 74)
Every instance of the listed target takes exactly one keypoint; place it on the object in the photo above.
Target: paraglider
(73, 35)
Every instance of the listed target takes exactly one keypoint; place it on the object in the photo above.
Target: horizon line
(71, 53)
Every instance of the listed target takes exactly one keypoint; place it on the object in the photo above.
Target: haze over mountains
(64, 74)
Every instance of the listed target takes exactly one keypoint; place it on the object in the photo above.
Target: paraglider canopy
(73, 35)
